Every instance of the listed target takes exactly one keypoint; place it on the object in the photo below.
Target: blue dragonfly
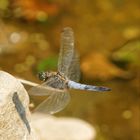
(56, 84)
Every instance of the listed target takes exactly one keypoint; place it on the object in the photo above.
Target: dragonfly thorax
(54, 79)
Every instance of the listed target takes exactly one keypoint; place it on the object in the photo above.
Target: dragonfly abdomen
(75, 85)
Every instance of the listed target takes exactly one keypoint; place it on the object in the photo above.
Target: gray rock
(15, 117)
(62, 128)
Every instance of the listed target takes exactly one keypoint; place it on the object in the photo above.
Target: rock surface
(15, 117)
(63, 128)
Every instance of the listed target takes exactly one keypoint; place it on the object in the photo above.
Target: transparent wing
(41, 90)
(66, 50)
(74, 69)
(68, 62)
(56, 102)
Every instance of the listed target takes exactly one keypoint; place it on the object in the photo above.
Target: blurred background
(107, 37)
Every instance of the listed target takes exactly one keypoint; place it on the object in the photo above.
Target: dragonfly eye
(42, 76)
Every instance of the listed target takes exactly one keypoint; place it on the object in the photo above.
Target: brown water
(101, 28)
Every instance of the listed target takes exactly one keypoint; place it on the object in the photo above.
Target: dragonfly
(56, 84)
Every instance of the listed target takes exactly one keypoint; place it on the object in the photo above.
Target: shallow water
(28, 46)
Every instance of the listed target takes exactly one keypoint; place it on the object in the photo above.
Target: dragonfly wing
(41, 90)
(74, 69)
(68, 62)
(66, 50)
(56, 102)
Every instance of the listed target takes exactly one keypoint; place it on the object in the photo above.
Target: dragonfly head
(42, 76)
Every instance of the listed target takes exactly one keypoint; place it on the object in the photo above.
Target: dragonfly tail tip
(104, 89)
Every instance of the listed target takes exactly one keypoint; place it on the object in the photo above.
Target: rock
(63, 128)
(15, 117)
